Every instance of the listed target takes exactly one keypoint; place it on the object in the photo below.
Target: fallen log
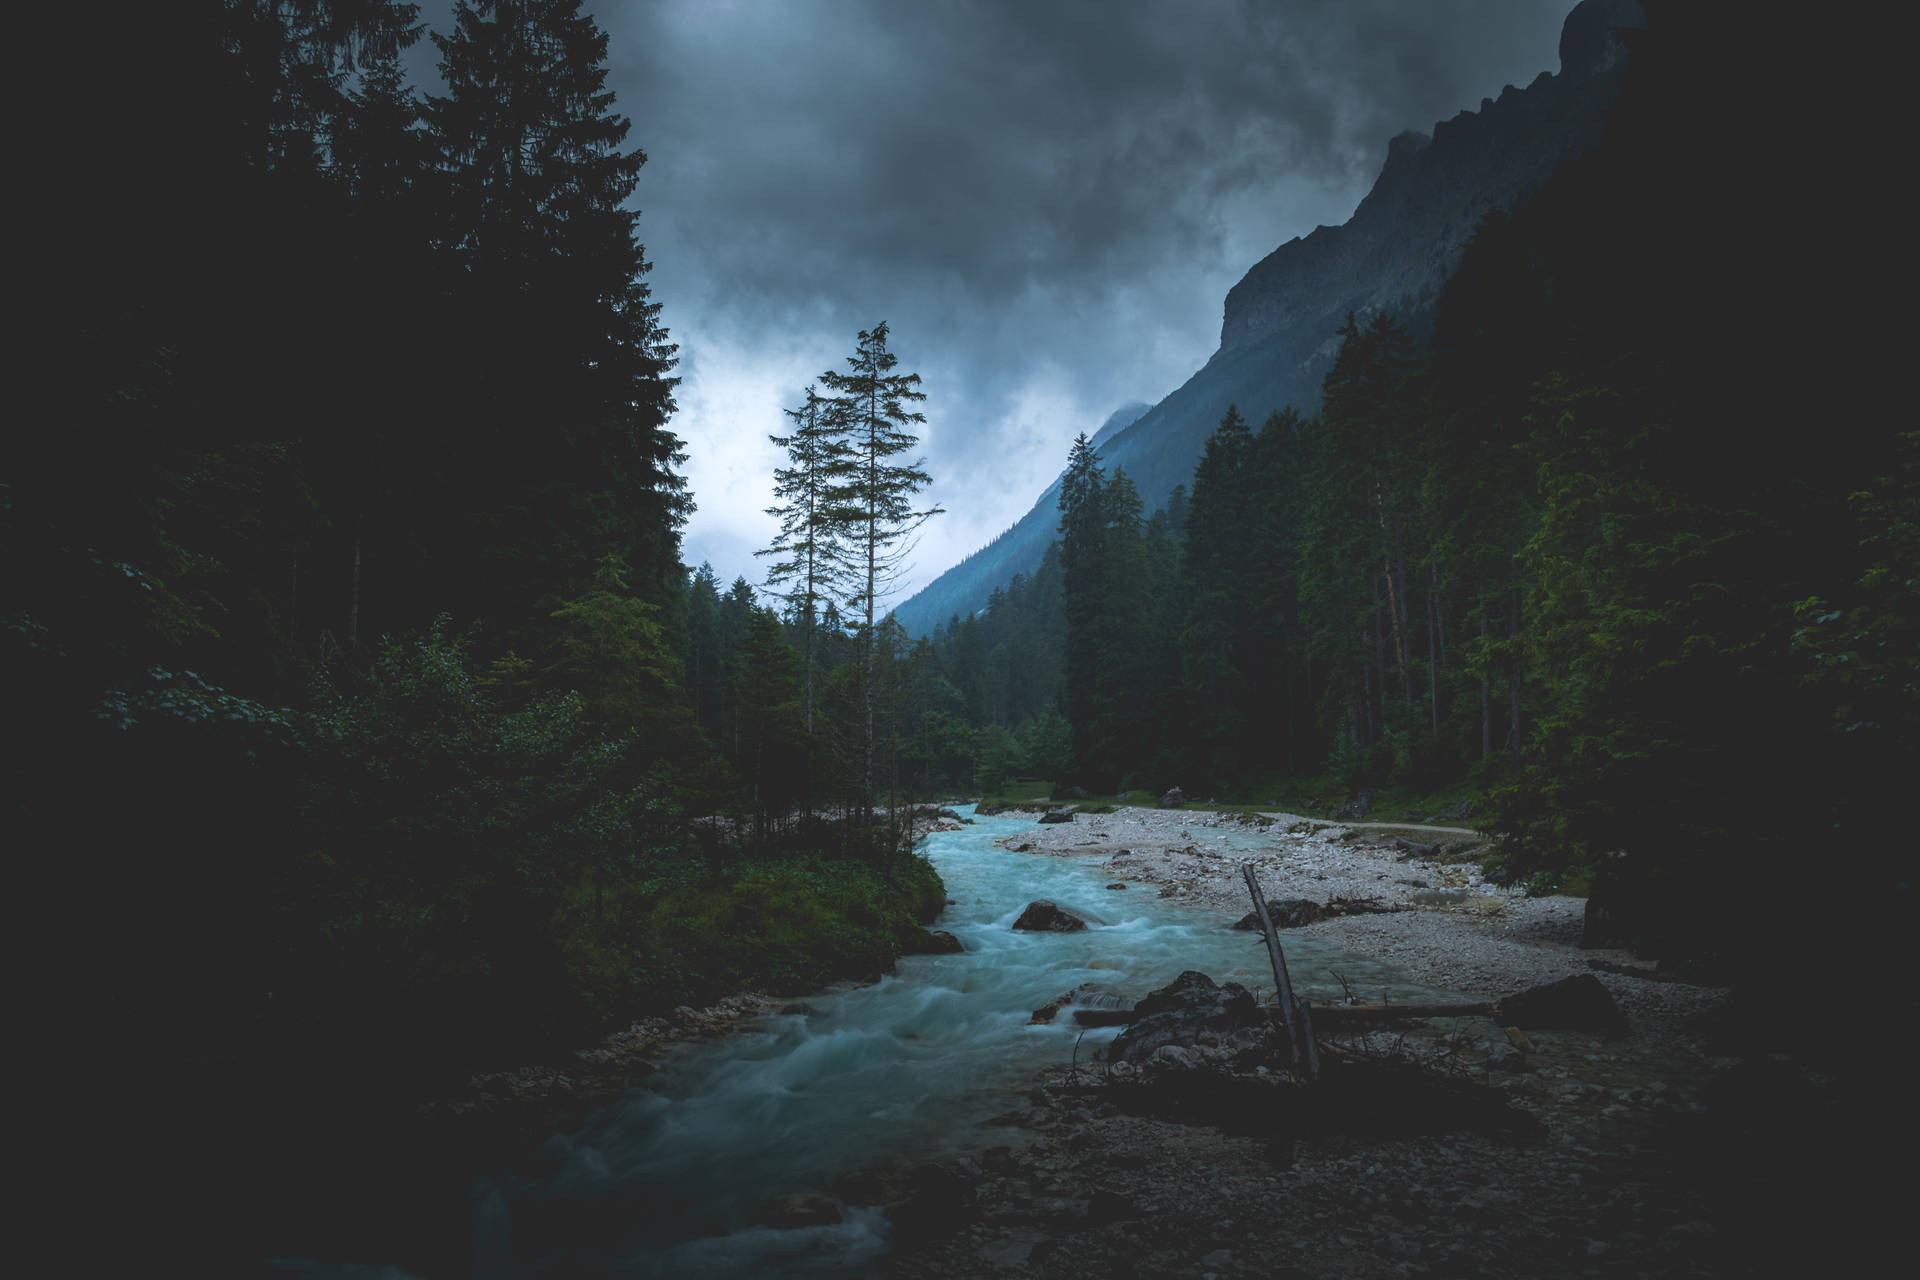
(1327, 1016)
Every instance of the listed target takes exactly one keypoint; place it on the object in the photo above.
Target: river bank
(1609, 1182)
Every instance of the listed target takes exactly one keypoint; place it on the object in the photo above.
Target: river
(667, 1181)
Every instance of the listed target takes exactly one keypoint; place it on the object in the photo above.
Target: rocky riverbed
(1601, 1174)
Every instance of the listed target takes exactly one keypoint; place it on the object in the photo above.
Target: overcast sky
(1047, 202)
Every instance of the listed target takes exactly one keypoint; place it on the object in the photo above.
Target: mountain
(1278, 333)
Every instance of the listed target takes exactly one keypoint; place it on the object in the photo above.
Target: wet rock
(1177, 1014)
(1023, 847)
(1116, 886)
(1057, 815)
(1044, 916)
(1579, 1003)
(935, 811)
(803, 1209)
(932, 942)
(1090, 994)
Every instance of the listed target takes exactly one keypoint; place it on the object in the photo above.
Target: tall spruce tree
(562, 452)
(877, 500)
(1082, 526)
(813, 559)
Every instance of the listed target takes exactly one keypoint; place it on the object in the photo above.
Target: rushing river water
(667, 1181)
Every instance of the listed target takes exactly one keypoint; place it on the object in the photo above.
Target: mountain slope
(1277, 337)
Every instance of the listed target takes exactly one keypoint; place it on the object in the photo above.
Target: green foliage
(789, 925)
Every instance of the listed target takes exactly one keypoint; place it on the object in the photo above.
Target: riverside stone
(1045, 916)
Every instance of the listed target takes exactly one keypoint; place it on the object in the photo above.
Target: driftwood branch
(1299, 1029)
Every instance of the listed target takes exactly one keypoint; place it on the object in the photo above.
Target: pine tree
(563, 453)
(870, 405)
(1082, 534)
(813, 555)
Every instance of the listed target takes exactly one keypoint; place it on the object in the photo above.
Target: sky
(1046, 201)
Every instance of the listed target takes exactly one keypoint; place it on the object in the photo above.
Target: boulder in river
(1045, 916)
(1090, 994)
(1178, 1012)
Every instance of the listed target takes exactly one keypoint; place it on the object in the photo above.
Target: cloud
(1046, 201)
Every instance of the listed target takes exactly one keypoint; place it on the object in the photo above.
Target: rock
(1293, 912)
(1173, 798)
(1057, 815)
(1124, 796)
(803, 1209)
(1089, 994)
(1459, 811)
(933, 942)
(1044, 916)
(1177, 1014)
(1286, 913)
(1071, 793)
(934, 811)
(1023, 847)
(1579, 1003)
(1116, 886)
(1504, 1057)
(1178, 1056)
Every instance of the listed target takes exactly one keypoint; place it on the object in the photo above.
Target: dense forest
(361, 698)
(1589, 544)
(359, 691)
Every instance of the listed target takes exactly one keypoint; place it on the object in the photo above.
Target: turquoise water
(667, 1181)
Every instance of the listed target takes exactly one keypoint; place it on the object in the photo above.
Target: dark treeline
(346, 626)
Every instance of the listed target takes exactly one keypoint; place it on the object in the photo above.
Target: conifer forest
(369, 727)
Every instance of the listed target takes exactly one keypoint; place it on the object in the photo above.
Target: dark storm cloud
(1047, 201)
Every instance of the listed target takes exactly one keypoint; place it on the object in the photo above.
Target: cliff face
(1278, 335)
(1404, 239)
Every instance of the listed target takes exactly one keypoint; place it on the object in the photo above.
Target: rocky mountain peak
(1588, 46)
(1403, 240)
